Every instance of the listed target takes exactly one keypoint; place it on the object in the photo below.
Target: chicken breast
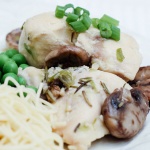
(79, 120)
(44, 39)
(40, 35)
(103, 52)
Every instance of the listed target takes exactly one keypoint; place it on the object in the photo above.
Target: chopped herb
(50, 96)
(64, 76)
(86, 98)
(85, 79)
(119, 55)
(73, 86)
(22, 26)
(76, 128)
(52, 78)
(121, 104)
(82, 84)
(84, 127)
(46, 73)
(124, 85)
(28, 49)
(94, 121)
(104, 87)
(93, 86)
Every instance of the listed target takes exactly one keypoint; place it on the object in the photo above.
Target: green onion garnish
(115, 33)
(78, 26)
(79, 19)
(105, 30)
(86, 20)
(72, 17)
(28, 49)
(95, 22)
(83, 24)
(60, 12)
(109, 20)
(80, 11)
(119, 55)
(67, 6)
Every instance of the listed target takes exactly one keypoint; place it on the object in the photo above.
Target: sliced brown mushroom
(143, 73)
(12, 38)
(142, 80)
(125, 112)
(145, 86)
(67, 56)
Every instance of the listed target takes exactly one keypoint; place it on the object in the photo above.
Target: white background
(134, 17)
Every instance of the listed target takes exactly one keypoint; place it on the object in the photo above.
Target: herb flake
(119, 55)
(28, 49)
(86, 98)
(104, 87)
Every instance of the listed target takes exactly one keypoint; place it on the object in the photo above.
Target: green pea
(19, 59)
(11, 52)
(22, 80)
(3, 58)
(9, 75)
(10, 66)
(23, 66)
(32, 87)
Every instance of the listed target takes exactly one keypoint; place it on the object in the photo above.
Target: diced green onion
(115, 33)
(105, 30)
(109, 20)
(86, 20)
(95, 22)
(79, 19)
(67, 6)
(28, 49)
(60, 12)
(79, 11)
(72, 17)
(78, 26)
(119, 55)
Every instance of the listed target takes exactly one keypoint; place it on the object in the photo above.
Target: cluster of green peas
(10, 61)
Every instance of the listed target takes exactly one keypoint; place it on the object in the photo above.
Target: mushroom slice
(143, 73)
(68, 56)
(12, 38)
(145, 86)
(142, 80)
(125, 112)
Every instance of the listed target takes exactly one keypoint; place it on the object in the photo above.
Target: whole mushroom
(125, 112)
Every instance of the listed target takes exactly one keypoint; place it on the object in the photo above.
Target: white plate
(134, 19)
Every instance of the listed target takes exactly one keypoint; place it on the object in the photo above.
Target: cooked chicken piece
(103, 52)
(125, 112)
(78, 119)
(32, 75)
(44, 37)
(42, 34)
(142, 80)
(12, 38)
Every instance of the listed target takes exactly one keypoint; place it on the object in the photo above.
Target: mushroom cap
(12, 38)
(68, 56)
(125, 112)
